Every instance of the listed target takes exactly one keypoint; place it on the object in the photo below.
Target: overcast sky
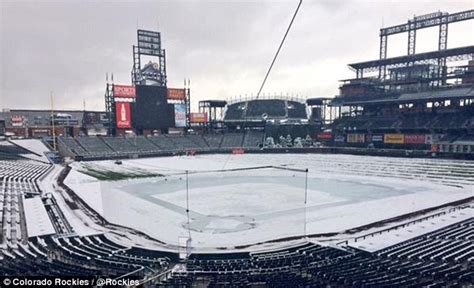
(224, 47)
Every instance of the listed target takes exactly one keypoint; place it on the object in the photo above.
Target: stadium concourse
(49, 229)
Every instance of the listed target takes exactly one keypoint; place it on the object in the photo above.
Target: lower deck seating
(97, 147)
(62, 254)
(443, 258)
(213, 140)
(91, 256)
(17, 181)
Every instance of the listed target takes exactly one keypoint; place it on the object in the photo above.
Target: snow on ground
(380, 241)
(37, 219)
(33, 145)
(250, 206)
(82, 182)
(81, 224)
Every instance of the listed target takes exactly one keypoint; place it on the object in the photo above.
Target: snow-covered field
(242, 207)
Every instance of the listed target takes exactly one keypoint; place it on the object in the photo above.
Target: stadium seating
(73, 146)
(450, 121)
(253, 139)
(142, 144)
(406, 122)
(63, 254)
(439, 259)
(11, 152)
(90, 256)
(120, 145)
(198, 140)
(232, 140)
(94, 145)
(17, 180)
(183, 143)
(163, 143)
(103, 147)
(213, 140)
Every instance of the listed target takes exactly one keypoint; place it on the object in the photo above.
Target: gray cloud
(224, 47)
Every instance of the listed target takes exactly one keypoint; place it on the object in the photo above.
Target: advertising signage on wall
(394, 138)
(415, 139)
(355, 138)
(123, 116)
(176, 94)
(340, 138)
(124, 91)
(17, 120)
(180, 115)
(375, 138)
(325, 136)
(198, 117)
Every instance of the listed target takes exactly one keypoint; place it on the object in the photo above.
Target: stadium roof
(448, 53)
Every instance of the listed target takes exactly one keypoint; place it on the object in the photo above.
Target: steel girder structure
(110, 108)
(149, 44)
(440, 19)
(213, 108)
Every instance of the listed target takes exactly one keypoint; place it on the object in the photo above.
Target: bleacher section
(94, 144)
(120, 145)
(198, 140)
(142, 144)
(163, 143)
(72, 145)
(443, 258)
(101, 147)
(183, 142)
